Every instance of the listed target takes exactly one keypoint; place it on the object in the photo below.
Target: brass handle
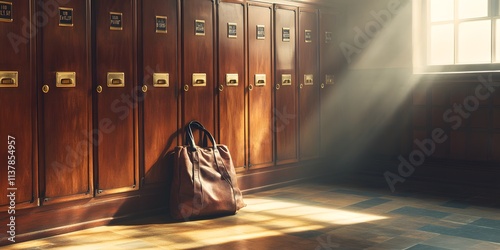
(221, 87)
(45, 89)
(115, 79)
(301, 85)
(250, 87)
(65, 79)
(161, 80)
(278, 86)
(199, 79)
(144, 88)
(322, 85)
(99, 89)
(186, 88)
(8, 81)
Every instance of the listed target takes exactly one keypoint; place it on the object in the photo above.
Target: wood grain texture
(286, 110)
(159, 55)
(232, 98)
(116, 106)
(66, 111)
(198, 103)
(18, 105)
(260, 103)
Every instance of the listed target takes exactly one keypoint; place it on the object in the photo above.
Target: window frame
(421, 41)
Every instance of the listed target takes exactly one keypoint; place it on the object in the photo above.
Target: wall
(376, 84)
(405, 127)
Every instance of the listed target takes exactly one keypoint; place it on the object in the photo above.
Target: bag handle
(188, 133)
(190, 138)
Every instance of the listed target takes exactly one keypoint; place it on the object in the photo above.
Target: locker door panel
(286, 84)
(66, 103)
(198, 85)
(159, 69)
(231, 80)
(260, 104)
(117, 95)
(309, 84)
(328, 67)
(18, 107)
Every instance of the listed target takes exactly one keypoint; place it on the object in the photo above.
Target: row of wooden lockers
(95, 92)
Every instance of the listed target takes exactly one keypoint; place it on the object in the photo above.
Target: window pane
(442, 48)
(474, 42)
(498, 41)
(472, 8)
(442, 10)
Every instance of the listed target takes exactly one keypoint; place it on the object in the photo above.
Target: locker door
(260, 94)
(286, 84)
(231, 79)
(116, 95)
(17, 86)
(65, 121)
(159, 76)
(198, 85)
(328, 67)
(309, 84)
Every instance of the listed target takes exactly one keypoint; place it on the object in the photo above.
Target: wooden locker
(309, 85)
(286, 84)
(231, 79)
(159, 80)
(117, 95)
(198, 87)
(329, 66)
(65, 123)
(18, 109)
(260, 85)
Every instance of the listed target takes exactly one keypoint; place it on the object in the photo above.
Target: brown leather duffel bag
(204, 180)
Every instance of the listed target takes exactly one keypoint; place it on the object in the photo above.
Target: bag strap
(190, 137)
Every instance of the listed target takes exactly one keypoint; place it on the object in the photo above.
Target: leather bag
(204, 181)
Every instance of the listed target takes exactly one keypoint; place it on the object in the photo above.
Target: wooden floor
(307, 216)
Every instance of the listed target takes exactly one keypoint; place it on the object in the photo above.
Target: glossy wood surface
(116, 106)
(18, 110)
(260, 99)
(285, 112)
(66, 110)
(198, 102)
(159, 55)
(232, 98)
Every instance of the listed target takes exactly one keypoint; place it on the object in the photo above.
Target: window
(457, 35)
